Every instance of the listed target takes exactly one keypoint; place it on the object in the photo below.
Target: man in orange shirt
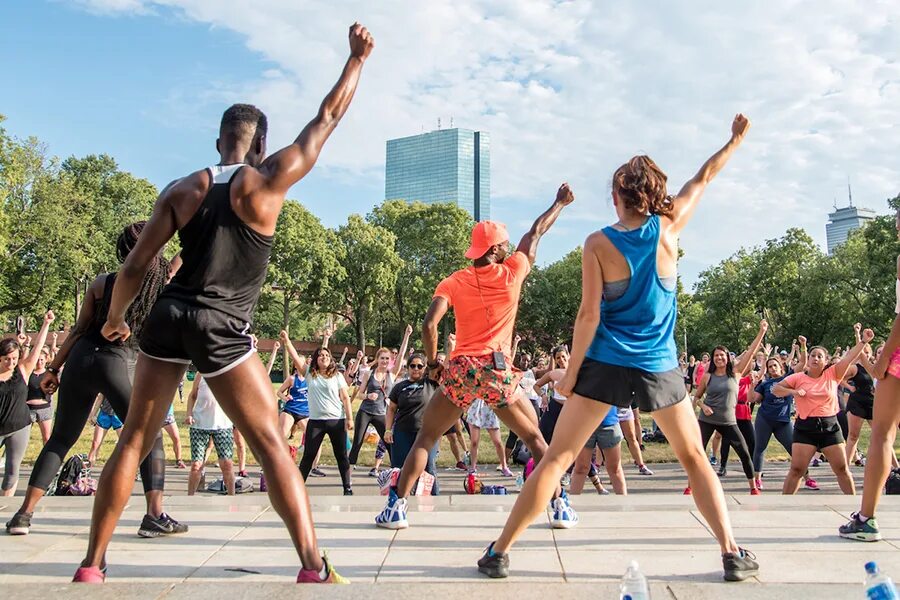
(485, 298)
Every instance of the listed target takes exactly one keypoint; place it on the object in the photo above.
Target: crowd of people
(568, 413)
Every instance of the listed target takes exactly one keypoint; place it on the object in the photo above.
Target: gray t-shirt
(325, 396)
(381, 389)
(721, 396)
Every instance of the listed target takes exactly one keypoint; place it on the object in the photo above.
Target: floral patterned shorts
(466, 378)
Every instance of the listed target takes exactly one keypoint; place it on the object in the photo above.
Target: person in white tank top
(209, 423)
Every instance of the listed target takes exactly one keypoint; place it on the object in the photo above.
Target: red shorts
(894, 366)
(466, 378)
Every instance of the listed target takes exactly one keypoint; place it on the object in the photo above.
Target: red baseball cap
(485, 235)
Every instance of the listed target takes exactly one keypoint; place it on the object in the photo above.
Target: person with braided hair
(94, 366)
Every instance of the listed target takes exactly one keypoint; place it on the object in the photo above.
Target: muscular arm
(288, 166)
(529, 242)
(849, 359)
(687, 199)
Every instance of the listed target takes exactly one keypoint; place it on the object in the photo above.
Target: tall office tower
(447, 165)
(844, 220)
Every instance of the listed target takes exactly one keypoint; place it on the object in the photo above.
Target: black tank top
(865, 390)
(223, 260)
(93, 334)
(14, 414)
(36, 393)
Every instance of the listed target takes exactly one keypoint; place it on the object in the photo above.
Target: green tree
(366, 253)
(550, 299)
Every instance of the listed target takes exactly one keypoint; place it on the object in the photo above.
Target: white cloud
(570, 90)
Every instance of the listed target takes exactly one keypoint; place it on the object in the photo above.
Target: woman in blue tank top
(624, 345)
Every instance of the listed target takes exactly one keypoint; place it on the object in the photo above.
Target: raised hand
(763, 326)
(283, 336)
(565, 195)
(408, 331)
(361, 42)
(739, 126)
(49, 317)
(276, 346)
(801, 339)
(868, 335)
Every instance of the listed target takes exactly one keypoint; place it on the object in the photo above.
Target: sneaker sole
(862, 537)
(563, 524)
(740, 575)
(394, 525)
(503, 574)
(17, 530)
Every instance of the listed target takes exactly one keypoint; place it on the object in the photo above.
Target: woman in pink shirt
(816, 427)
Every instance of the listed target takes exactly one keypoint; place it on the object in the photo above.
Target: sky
(568, 90)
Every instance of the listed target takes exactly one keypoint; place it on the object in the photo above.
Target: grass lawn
(654, 453)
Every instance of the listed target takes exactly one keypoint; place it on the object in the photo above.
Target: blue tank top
(637, 329)
(299, 391)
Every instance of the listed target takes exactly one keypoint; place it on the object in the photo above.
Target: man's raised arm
(529, 243)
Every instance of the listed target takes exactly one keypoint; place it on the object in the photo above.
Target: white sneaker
(564, 516)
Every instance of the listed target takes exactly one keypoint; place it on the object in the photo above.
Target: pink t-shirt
(821, 394)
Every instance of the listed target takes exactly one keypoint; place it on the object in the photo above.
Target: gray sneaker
(20, 524)
(156, 527)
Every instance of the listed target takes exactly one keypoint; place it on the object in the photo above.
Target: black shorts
(182, 333)
(821, 432)
(621, 386)
(862, 410)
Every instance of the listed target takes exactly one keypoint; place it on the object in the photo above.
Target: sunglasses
(416, 366)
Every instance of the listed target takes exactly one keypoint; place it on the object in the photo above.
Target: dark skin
(244, 392)
(441, 413)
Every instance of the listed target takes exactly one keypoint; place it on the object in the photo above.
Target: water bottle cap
(871, 567)
(634, 565)
(626, 597)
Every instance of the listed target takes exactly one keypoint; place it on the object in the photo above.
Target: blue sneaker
(564, 516)
(394, 514)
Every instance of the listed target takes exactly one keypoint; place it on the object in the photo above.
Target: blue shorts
(297, 409)
(106, 421)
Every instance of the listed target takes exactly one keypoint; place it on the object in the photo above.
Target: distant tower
(844, 220)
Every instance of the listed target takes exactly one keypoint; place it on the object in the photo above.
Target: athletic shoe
(644, 470)
(243, 473)
(318, 472)
(89, 575)
(394, 514)
(373, 472)
(603, 491)
(348, 491)
(507, 473)
(860, 462)
(180, 465)
(312, 576)
(860, 531)
(494, 565)
(688, 491)
(20, 524)
(812, 484)
(758, 483)
(564, 516)
(755, 492)
(722, 472)
(713, 461)
(642, 447)
(461, 466)
(164, 525)
(740, 566)
(565, 480)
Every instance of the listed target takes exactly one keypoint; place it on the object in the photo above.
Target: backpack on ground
(74, 478)
(520, 453)
(892, 485)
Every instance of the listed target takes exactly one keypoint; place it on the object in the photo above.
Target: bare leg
(455, 448)
(800, 457)
(679, 424)
(885, 417)
(494, 434)
(286, 422)
(854, 428)
(46, 427)
(579, 418)
(172, 430)
(579, 473)
(439, 415)
(613, 459)
(241, 449)
(838, 461)
(243, 393)
(155, 383)
(194, 477)
(475, 435)
(629, 430)
(99, 435)
(227, 466)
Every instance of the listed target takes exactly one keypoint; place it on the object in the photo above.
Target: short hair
(243, 122)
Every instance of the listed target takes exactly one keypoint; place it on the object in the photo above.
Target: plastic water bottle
(878, 585)
(520, 481)
(634, 585)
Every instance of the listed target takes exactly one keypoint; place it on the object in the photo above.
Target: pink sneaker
(812, 485)
(688, 491)
(755, 492)
(312, 576)
(89, 575)
(758, 484)
(507, 473)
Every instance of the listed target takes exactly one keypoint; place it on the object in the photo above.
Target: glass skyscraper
(844, 220)
(447, 165)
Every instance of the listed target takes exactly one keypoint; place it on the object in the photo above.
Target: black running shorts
(820, 432)
(619, 386)
(182, 333)
(862, 410)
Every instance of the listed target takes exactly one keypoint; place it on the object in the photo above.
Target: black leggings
(512, 438)
(749, 435)
(360, 425)
(316, 430)
(549, 419)
(730, 435)
(90, 371)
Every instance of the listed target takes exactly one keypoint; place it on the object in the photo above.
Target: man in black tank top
(225, 218)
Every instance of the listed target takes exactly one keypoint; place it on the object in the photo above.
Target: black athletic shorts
(620, 386)
(182, 333)
(862, 410)
(820, 432)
